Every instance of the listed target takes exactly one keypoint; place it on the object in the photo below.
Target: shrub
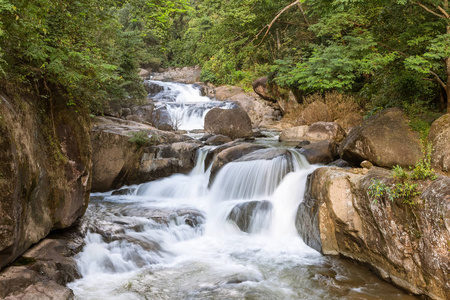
(142, 138)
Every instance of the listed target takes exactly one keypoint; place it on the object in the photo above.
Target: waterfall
(184, 103)
(175, 238)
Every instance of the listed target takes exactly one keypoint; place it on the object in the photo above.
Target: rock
(230, 153)
(165, 127)
(439, 137)
(118, 161)
(251, 216)
(233, 123)
(316, 132)
(366, 164)
(218, 140)
(323, 152)
(315, 112)
(260, 87)
(45, 169)
(152, 88)
(227, 91)
(258, 134)
(340, 163)
(337, 217)
(45, 291)
(133, 118)
(124, 112)
(384, 139)
(144, 113)
(302, 144)
(143, 73)
(265, 154)
(161, 116)
(294, 134)
(206, 137)
(187, 75)
(320, 131)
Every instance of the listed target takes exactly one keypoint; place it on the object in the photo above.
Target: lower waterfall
(177, 238)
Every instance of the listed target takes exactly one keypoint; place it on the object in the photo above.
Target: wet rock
(144, 112)
(384, 139)
(161, 116)
(218, 140)
(165, 127)
(302, 144)
(439, 137)
(251, 216)
(264, 154)
(125, 191)
(206, 137)
(233, 123)
(337, 217)
(152, 88)
(230, 153)
(323, 152)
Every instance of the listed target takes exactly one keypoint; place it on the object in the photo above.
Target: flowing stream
(179, 238)
(185, 104)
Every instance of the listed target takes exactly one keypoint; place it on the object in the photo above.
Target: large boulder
(233, 123)
(439, 138)
(318, 131)
(45, 169)
(384, 139)
(260, 88)
(121, 157)
(405, 244)
(225, 92)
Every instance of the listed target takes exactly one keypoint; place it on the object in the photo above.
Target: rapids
(178, 238)
(173, 239)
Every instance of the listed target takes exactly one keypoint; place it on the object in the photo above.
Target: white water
(185, 104)
(171, 239)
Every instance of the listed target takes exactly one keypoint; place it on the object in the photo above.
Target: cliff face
(45, 169)
(406, 244)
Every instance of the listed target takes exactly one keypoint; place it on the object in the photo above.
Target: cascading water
(185, 104)
(178, 239)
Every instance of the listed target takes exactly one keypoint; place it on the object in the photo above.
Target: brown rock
(218, 140)
(260, 87)
(227, 91)
(322, 152)
(439, 138)
(231, 154)
(384, 139)
(337, 217)
(45, 169)
(233, 123)
(318, 131)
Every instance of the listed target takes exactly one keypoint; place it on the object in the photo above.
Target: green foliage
(423, 170)
(399, 173)
(377, 190)
(142, 138)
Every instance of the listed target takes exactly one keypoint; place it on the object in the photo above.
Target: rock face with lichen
(406, 244)
(45, 169)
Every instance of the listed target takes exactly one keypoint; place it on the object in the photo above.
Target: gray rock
(323, 152)
(251, 216)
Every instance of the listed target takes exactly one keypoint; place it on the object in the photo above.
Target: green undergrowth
(143, 139)
(405, 186)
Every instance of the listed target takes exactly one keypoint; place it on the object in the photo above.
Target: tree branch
(444, 12)
(439, 80)
(303, 13)
(274, 20)
(429, 10)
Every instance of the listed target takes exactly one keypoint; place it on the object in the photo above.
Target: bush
(142, 138)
